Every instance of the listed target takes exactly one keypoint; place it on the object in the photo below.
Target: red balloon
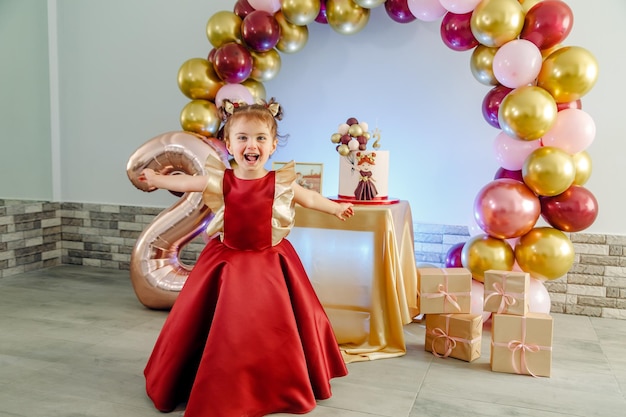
(233, 63)
(491, 104)
(321, 16)
(260, 31)
(211, 57)
(399, 11)
(506, 173)
(571, 211)
(456, 32)
(571, 105)
(242, 8)
(547, 23)
(506, 208)
(453, 256)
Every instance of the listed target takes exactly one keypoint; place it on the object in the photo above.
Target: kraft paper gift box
(522, 344)
(506, 292)
(444, 290)
(454, 335)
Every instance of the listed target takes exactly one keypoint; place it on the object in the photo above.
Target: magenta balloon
(233, 63)
(456, 32)
(242, 8)
(211, 56)
(506, 173)
(506, 208)
(547, 23)
(321, 16)
(453, 256)
(260, 31)
(571, 211)
(491, 104)
(399, 11)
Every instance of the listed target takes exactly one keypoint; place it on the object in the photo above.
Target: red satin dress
(247, 335)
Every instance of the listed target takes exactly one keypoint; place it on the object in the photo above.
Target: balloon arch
(535, 100)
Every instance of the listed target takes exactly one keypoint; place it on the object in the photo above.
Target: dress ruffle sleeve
(283, 210)
(213, 194)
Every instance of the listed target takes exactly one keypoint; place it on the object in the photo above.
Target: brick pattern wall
(35, 235)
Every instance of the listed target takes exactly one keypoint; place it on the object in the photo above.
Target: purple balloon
(233, 63)
(456, 32)
(453, 257)
(491, 104)
(260, 31)
(242, 8)
(321, 16)
(399, 11)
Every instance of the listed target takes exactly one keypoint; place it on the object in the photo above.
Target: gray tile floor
(74, 341)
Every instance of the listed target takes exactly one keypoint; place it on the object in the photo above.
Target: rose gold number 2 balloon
(156, 272)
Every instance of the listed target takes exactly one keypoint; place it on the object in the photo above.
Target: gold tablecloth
(363, 271)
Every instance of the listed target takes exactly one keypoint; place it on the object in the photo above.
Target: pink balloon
(517, 63)
(426, 10)
(539, 297)
(270, 6)
(511, 152)
(233, 92)
(573, 131)
(547, 23)
(571, 105)
(506, 208)
(456, 32)
(459, 6)
(491, 104)
(477, 300)
(398, 10)
(453, 256)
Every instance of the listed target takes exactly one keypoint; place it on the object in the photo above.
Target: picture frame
(308, 174)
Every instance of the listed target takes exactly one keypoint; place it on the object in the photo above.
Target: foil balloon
(346, 17)
(292, 37)
(223, 27)
(483, 252)
(156, 273)
(571, 211)
(545, 253)
(496, 22)
(197, 79)
(300, 12)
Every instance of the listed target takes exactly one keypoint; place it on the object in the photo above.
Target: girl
(247, 335)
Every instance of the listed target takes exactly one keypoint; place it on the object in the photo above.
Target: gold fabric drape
(363, 271)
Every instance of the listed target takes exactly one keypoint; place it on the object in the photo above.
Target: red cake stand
(374, 202)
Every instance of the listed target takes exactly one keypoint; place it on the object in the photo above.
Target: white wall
(118, 63)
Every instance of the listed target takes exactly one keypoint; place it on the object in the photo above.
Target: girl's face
(251, 144)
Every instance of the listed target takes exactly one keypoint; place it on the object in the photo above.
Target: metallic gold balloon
(481, 64)
(200, 116)
(156, 272)
(256, 88)
(582, 164)
(568, 73)
(548, 171)
(300, 12)
(346, 17)
(223, 27)
(527, 113)
(265, 65)
(528, 4)
(496, 22)
(369, 4)
(483, 252)
(335, 138)
(292, 37)
(197, 79)
(545, 253)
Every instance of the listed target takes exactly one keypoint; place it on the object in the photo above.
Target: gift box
(454, 335)
(506, 292)
(444, 290)
(522, 344)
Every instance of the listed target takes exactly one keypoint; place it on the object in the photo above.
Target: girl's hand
(147, 175)
(344, 211)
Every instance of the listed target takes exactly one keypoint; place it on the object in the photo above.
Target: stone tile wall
(35, 235)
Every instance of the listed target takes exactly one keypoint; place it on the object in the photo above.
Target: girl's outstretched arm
(314, 200)
(173, 182)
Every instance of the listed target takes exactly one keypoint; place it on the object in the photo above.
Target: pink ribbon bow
(523, 347)
(442, 291)
(449, 341)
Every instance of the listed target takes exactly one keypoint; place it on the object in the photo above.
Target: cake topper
(353, 136)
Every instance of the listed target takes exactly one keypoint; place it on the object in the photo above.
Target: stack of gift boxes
(521, 341)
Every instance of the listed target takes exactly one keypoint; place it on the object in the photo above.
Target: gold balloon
(355, 130)
(343, 150)
(528, 4)
(256, 88)
(265, 65)
(548, 171)
(346, 17)
(582, 164)
(527, 113)
(300, 12)
(335, 138)
(197, 79)
(292, 37)
(200, 116)
(223, 27)
(369, 4)
(481, 64)
(568, 73)
(496, 22)
(545, 253)
(483, 252)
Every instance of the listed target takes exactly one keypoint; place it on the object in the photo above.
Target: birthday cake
(363, 172)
